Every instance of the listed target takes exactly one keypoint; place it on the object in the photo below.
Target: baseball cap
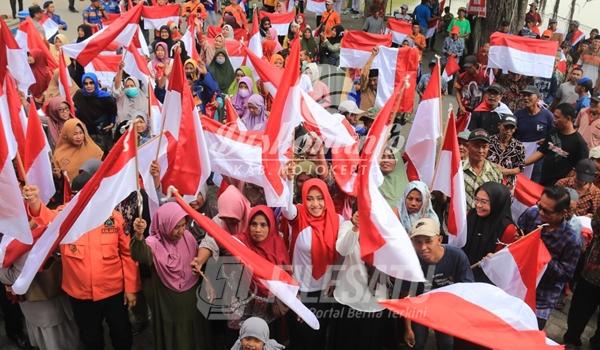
(533, 4)
(349, 106)
(90, 166)
(425, 227)
(596, 98)
(508, 119)
(552, 20)
(464, 135)
(494, 88)
(479, 135)
(462, 8)
(328, 2)
(404, 6)
(531, 89)
(455, 30)
(595, 153)
(575, 23)
(585, 170)
(586, 83)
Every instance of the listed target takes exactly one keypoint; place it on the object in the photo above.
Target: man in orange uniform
(239, 15)
(193, 8)
(97, 268)
(329, 19)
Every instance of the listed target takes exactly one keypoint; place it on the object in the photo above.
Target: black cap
(494, 88)
(531, 89)
(585, 170)
(596, 98)
(80, 180)
(508, 119)
(479, 135)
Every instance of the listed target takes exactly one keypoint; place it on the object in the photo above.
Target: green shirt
(463, 25)
(490, 173)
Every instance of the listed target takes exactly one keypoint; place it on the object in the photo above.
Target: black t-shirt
(485, 120)
(561, 154)
(454, 267)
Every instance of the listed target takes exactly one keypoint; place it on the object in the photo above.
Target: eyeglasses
(545, 210)
(64, 109)
(481, 201)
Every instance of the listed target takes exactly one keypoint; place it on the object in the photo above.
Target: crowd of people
(136, 272)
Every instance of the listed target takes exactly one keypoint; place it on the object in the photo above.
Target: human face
(299, 20)
(278, 63)
(177, 231)
(416, 29)
(253, 109)
(307, 34)
(373, 82)
(242, 85)
(239, 74)
(259, 228)
(51, 8)
(266, 25)
(461, 14)
(478, 150)
(251, 343)
(129, 83)
(164, 34)
(414, 201)
(78, 136)
(596, 44)
(548, 215)
(226, 30)
(388, 162)
(96, 4)
(231, 223)
(352, 118)
(189, 69)
(464, 151)
(57, 43)
(159, 52)
(492, 99)
(506, 131)
(428, 248)
(64, 112)
(576, 74)
(595, 108)
(483, 206)
(561, 121)
(88, 85)
(328, 6)
(162, 2)
(140, 125)
(219, 42)
(315, 201)
(530, 100)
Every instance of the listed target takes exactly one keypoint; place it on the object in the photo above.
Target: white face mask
(220, 60)
(244, 92)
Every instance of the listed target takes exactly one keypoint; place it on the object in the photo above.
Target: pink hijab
(172, 258)
(232, 204)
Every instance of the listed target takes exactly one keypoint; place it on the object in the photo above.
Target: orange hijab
(69, 157)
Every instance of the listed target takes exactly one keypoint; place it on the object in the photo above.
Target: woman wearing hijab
(97, 109)
(309, 44)
(221, 69)
(394, 176)
(234, 209)
(254, 334)
(240, 100)
(76, 70)
(270, 47)
(320, 90)
(204, 86)
(266, 30)
(301, 21)
(164, 37)
(74, 147)
(278, 61)
(57, 112)
(41, 72)
(242, 71)
(489, 225)
(228, 32)
(130, 99)
(315, 227)
(292, 34)
(330, 47)
(255, 117)
(171, 288)
(59, 41)
(415, 204)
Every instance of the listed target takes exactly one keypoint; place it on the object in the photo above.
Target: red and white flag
(136, 65)
(577, 37)
(235, 52)
(105, 67)
(36, 157)
(509, 323)
(265, 71)
(255, 41)
(189, 40)
(518, 268)
(29, 38)
(421, 143)
(13, 59)
(155, 112)
(158, 16)
(449, 179)
(188, 160)
(525, 56)
(526, 193)
(121, 32)
(272, 277)
(280, 21)
(50, 27)
(451, 68)
(399, 30)
(114, 181)
(384, 243)
(13, 215)
(431, 28)
(64, 82)
(356, 47)
(146, 155)
(396, 65)
(315, 6)
(338, 135)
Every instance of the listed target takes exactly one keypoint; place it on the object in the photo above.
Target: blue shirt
(533, 128)
(111, 6)
(582, 102)
(565, 248)
(422, 15)
(56, 18)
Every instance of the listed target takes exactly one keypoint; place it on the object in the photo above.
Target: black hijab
(339, 33)
(484, 233)
(263, 31)
(87, 32)
(168, 41)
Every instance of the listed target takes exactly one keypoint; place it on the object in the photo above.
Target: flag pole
(437, 57)
(140, 200)
(20, 168)
(506, 245)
